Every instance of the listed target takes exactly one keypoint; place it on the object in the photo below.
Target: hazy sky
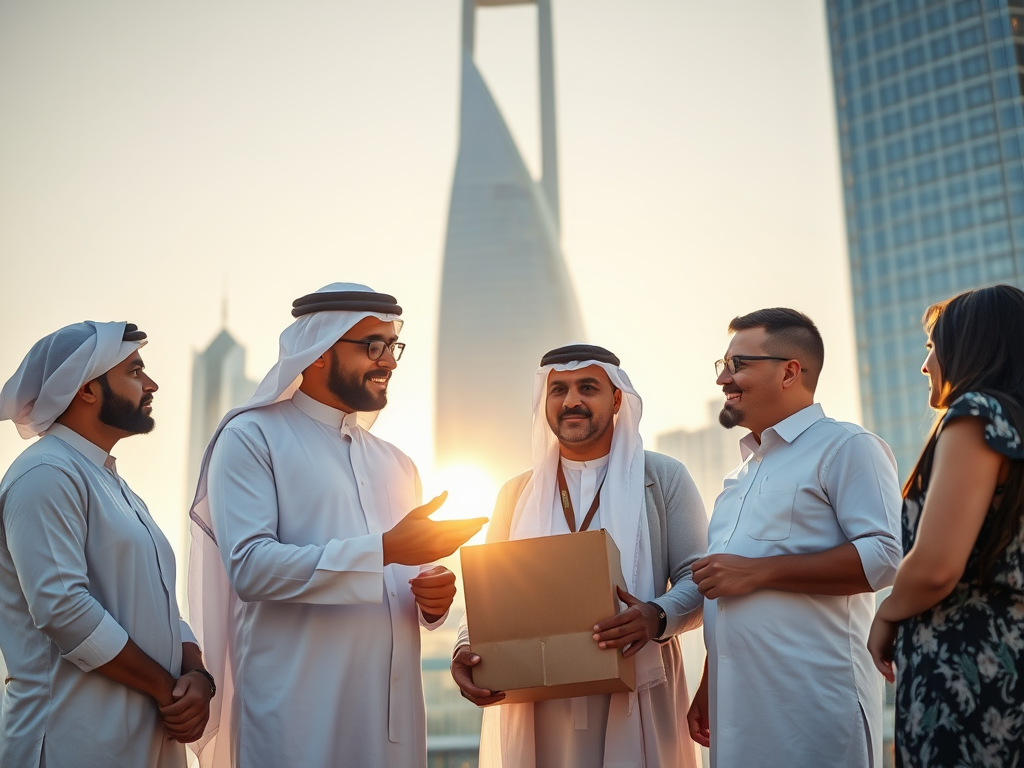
(156, 157)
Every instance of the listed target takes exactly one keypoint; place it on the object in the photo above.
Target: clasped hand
(721, 575)
(185, 718)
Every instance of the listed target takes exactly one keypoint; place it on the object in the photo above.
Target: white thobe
(791, 680)
(83, 567)
(326, 641)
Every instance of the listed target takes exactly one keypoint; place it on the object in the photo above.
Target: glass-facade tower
(931, 129)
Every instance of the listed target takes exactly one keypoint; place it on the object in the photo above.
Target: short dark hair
(790, 334)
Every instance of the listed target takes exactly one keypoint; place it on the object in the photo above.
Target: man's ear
(320, 362)
(790, 373)
(617, 399)
(89, 392)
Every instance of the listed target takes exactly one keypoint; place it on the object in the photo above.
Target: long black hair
(978, 337)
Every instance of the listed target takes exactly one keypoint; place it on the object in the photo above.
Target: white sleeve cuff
(431, 625)
(879, 558)
(105, 642)
(187, 635)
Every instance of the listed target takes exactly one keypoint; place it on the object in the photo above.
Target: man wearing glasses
(304, 576)
(806, 529)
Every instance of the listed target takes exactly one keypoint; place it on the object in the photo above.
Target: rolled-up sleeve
(865, 493)
(687, 542)
(45, 524)
(243, 505)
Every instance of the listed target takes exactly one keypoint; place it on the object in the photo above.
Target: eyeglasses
(375, 349)
(736, 362)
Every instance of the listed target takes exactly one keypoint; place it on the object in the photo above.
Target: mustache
(579, 410)
(376, 374)
(146, 400)
(730, 389)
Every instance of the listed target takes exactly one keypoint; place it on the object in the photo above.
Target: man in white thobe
(586, 435)
(308, 516)
(94, 645)
(806, 529)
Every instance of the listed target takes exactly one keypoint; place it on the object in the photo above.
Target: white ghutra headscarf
(506, 739)
(56, 368)
(321, 319)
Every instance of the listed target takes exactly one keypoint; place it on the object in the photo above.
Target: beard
(353, 390)
(122, 413)
(578, 433)
(730, 417)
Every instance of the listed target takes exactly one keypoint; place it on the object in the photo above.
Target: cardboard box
(532, 605)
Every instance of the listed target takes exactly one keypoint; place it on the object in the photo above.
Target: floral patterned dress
(960, 664)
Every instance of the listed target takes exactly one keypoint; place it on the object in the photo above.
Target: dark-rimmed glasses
(375, 349)
(736, 362)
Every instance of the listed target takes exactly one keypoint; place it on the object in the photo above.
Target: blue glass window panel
(994, 5)
(885, 39)
(933, 225)
(887, 66)
(914, 57)
(898, 180)
(874, 159)
(862, 49)
(921, 113)
(892, 123)
(941, 47)
(964, 246)
(890, 94)
(944, 75)
(848, 56)
(961, 217)
(900, 206)
(985, 154)
(935, 253)
(870, 128)
(989, 183)
(923, 142)
(909, 290)
(965, 9)
(849, 82)
(881, 15)
(928, 198)
(1002, 56)
(970, 37)
(926, 171)
(917, 85)
(867, 102)
(955, 163)
(995, 239)
(903, 234)
(1017, 204)
(1000, 268)
(998, 29)
(978, 94)
(951, 133)
(906, 6)
(948, 104)
(968, 275)
(938, 18)
(1006, 88)
(876, 186)
(992, 210)
(864, 76)
(1009, 116)
(1011, 147)
(1014, 176)
(878, 215)
(938, 282)
(981, 125)
(879, 241)
(958, 191)
(911, 30)
(973, 66)
(906, 262)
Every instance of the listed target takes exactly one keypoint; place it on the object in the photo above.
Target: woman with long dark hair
(953, 626)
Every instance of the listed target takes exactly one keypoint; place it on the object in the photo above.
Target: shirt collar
(90, 450)
(789, 429)
(592, 464)
(325, 414)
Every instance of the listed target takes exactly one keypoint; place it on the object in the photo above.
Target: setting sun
(471, 493)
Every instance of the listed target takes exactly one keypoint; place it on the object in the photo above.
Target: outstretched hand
(634, 627)
(417, 539)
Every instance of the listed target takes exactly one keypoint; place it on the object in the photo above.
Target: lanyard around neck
(570, 513)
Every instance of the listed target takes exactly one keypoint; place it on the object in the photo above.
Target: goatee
(730, 417)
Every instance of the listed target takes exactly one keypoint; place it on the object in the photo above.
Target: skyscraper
(506, 295)
(931, 130)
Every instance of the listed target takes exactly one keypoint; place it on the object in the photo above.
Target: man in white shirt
(806, 529)
(102, 671)
(307, 540)
(590, 471)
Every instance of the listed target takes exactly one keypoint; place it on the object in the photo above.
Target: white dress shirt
(791, 681)
(326, 645)
(83, 567)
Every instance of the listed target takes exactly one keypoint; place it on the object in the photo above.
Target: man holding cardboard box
(590, 472)
(806, 529)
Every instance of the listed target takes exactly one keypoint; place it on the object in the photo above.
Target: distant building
(931, 130)
(709, 453)
(506, 295)
(219, 384)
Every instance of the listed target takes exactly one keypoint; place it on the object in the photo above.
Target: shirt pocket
(772, 517)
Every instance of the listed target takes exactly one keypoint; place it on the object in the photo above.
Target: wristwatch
(662, 618)
(208, 676)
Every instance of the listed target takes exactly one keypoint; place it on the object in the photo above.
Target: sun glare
(471, 493)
